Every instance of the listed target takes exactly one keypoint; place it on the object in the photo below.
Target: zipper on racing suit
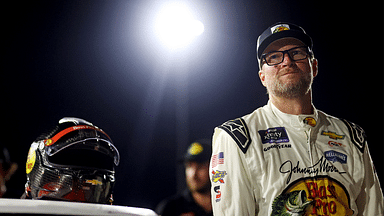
(308, 136)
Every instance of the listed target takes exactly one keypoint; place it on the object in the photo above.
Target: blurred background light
(175, 25)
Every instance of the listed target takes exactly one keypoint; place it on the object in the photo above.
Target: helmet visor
(81, 138)
(87, 153)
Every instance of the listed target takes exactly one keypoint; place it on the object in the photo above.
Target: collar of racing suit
(296, 121)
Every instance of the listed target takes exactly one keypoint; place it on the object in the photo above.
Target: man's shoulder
(356, 133)
(248, 118)
(238, 128)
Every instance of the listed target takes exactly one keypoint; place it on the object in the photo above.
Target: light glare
(176, 27)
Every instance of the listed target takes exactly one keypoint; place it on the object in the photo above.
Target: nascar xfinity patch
(238, 130)
(273, 135)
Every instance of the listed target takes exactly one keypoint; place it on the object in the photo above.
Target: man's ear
(262, 77)
(315, 65)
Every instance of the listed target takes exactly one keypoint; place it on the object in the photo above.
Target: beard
(291, 89)
(203, 187)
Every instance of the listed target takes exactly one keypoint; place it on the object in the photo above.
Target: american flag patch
(217, 159)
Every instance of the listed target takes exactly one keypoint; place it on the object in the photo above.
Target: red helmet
(75, 162)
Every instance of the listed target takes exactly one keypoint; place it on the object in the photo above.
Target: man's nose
(287, 59)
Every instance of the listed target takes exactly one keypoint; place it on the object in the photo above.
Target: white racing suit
(271, 163)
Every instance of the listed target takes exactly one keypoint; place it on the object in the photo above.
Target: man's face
(197, 176)
(289, 79)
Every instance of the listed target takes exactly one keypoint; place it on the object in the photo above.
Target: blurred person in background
(7, 169)
(196, 199)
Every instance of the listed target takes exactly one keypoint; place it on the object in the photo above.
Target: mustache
(287, 70)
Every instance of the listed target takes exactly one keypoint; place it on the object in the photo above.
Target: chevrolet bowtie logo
(93, 182)
(332, 135)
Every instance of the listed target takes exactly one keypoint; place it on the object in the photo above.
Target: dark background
(100, 60)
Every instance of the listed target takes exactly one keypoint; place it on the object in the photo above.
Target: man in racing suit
(287, 157)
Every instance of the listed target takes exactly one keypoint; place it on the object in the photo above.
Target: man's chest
(315, 165)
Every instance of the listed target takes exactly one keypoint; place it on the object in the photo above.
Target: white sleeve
(370, 200)
(232, 192)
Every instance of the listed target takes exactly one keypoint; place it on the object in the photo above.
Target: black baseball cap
(278, 31)
(199, 151)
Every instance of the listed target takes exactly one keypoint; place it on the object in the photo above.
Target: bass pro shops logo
(279, 28)
(321, 195)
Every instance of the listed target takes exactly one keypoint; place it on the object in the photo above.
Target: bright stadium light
(176, 27)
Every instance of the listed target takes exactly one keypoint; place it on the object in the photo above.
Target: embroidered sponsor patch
(332, 135)
(218, 193)
(218, 176)
(335, 156)
(277, 146)
(333, 143)
(310, 121)
(217, 159)
(274, 135)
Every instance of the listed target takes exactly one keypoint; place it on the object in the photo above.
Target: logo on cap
(279, 28)
(196, 148)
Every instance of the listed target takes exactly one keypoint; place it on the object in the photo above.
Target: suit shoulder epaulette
(357, 133)
(239, 132)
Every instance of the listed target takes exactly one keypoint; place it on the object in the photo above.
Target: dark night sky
(100, 60)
